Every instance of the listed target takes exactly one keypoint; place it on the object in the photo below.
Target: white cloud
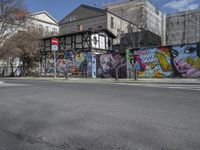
(182, 5)
(193, 6)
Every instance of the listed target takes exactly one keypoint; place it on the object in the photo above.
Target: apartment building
(183, 27)
(142, 13)
(44, 22)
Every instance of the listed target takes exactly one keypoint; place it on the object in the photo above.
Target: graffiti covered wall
(94, 66)
(162, 62)
(186, 59)
(107, 64)
(150, 62)
(76, 61)
(60, 61)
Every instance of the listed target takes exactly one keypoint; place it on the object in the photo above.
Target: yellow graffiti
(163, 62)
(152, 64)
(79, 57)
(158, 74)
(193, 62)
(140, 73)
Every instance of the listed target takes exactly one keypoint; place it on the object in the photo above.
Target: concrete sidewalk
(1, 82)
(164, 81)
(153, 81)
(112, 80)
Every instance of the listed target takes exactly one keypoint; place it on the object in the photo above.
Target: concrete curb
(151, 82)
(128, 81)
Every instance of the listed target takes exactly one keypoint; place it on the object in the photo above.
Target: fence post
(135, 72)
(84, 73)
(116, 74)
(66, 72)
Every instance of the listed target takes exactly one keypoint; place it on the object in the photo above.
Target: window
(40, 26)
(118, 32)
(72, 18)
(111, 22)
(95, 40)
(47, 28)
(157, 11)
(54, 30)
(79, 27)
(32, 24)
(109, 43)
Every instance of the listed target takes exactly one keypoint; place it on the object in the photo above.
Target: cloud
(182, 5)
(193, 6)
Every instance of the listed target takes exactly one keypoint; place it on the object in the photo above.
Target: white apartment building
(43, 21)
(141, 13)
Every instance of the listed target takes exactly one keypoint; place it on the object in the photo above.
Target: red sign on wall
(54, 41)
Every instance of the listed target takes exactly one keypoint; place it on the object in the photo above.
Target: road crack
(35, 140)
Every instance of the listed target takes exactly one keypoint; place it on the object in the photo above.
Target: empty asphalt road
(47, 115)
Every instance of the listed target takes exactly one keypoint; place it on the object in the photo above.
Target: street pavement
(55, 115)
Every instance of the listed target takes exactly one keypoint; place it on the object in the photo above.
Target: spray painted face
(106, 63)
(187, 61)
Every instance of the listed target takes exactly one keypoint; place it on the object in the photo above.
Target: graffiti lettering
(150, 57)
(152, 62)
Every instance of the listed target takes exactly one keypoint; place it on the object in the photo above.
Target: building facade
(95, 19)
(183, 27)
(139, 39)
(44, 22)
(142, 13)
(77, 51)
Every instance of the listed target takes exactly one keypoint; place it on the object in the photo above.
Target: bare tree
(12, 16)
(8, 54)
(25, 45)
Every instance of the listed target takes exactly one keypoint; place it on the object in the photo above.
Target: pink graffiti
(142, 65)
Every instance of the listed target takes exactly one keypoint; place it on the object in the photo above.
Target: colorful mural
(94, 66)
(75, 61)
(186, 59)
(108, 64)
(60, 62)
(152, 62)
(149, 62)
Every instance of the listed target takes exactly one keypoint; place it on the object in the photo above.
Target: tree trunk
(12, 72)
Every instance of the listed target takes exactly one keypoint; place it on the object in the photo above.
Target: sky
(60, 8)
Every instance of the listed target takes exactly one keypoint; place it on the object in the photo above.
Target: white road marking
(170, 86)
(12, 84)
